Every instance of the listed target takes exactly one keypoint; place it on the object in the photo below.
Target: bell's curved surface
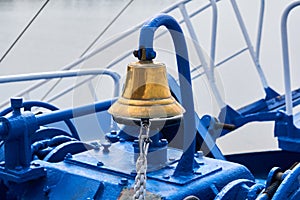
(146, 94)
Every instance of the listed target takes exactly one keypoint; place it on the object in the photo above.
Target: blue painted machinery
(42, 162)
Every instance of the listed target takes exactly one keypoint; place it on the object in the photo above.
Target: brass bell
(146, 95)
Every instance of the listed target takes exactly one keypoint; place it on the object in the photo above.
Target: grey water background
(65, 28)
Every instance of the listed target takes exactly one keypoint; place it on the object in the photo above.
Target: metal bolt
(166, 176)
(171, 159)
(199, 154)
(279, 114)
(18, 168)
(198, 173)
(152, 54)
(97, 148)
(169, 167)
(164, 141)
(122, 140)
(16, 104)
(123, 181)
(136, 53)
(35, 164)
(68, 156)
(46, 190)
(136, 141)
(106, 146)
(100, 164)
(113, 132)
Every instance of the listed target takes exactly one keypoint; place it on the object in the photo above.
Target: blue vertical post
(16, 132)
(186, 163)
(285, 57)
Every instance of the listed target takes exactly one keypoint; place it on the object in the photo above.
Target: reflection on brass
(146, 94)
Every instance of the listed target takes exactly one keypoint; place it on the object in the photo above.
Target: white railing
(208, 67)
(62, 74)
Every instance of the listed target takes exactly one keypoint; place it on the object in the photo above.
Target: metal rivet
(169, 167)
(199, 154)
(122, 140)
(113, 132)
(46, 190)
(100, 164)
(171, 159)
(68, 156)
(166, 176)
(18, 168)
(123, 181)
(198, 173)
(164, 141)
(35, 164)
(136, 141)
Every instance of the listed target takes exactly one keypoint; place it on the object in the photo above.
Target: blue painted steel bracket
(203, 136)
(288, 134)
(120, 158)
(146, 52)
(123, 154)
(285, 130)
(262, 110)
(166, 174)
(273, 112)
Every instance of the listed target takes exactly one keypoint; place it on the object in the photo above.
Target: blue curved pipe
(186, 163)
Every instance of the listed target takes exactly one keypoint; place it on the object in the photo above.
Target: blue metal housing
(97, 174)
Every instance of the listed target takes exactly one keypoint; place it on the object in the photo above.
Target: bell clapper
(141, 163)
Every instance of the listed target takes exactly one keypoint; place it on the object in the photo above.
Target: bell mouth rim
(155, 122)
(146, 102)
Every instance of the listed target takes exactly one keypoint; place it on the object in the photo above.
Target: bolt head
(68, 156)
(100, 164)
(16, 102)
(172, 159)
(164, 141)
(18, 168)
(113, 132)
(123, 181)
(166, 176)
(122, 140)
